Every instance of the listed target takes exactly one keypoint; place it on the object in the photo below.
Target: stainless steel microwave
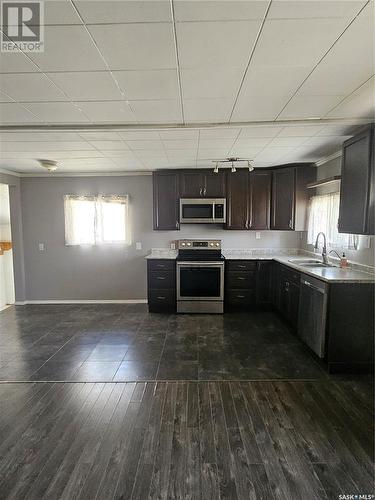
(202, 210)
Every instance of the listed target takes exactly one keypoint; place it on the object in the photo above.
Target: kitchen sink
(316, 264)
(302, 262)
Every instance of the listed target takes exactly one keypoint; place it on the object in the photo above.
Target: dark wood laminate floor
(105, 343)
(177, 440)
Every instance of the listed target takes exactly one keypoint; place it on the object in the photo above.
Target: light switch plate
(257, 235)
(173, 245)
(41, 247)
(138, 245)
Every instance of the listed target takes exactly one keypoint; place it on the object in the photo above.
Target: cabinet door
(293, 304)
(191, 184)
(260, 200)
(263, 282)
(214, 185)
(357, 196)
(283, 199)
(238, 200)
(166, 194)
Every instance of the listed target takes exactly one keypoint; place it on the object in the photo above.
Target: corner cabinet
(166, 195)
(357, 196)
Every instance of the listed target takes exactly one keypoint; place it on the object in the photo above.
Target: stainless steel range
(200, 277)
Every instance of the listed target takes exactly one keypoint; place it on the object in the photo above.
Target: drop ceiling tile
(145, 144)
(29, 87)
(155, 84)
(21, 166)
(213, 154)
(219, 133)
(5, 98)
(13, 113)
(179, 134)
(207, 110)
(290, 9)
(129, 155)
(16, 62)
(100, 136)
(181, 154)
(210, 83)
(288, 141)
(108, 111)
(87, 86)
(273, 154)
(338, 130)
(180, 144)
(224, 10)
(252, 141)
(360, 104)
(273, 81)
(215, 143)
(45, 146)
(109, 145)
(39, 136)
(309, 106)
(68, 48)
(150, 153)
(260, 131)
(218, 44)
(163, 111)
(139, 135)
(294, 42)
(60, 12)
(301, 130)
(253, 108)
(128, 163)
(127, 11)
(245, 152)
(57, 112)
(136, 46)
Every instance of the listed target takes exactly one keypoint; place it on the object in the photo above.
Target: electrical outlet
(257, 235)
(138, 245)
(173, 245)
(41, 247)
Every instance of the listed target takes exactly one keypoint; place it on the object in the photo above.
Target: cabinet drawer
(161, 297)
(241, 265)
(161, 279)
(240, 297)
(161, 264)
(240, 279)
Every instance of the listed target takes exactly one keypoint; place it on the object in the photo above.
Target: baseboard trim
(128, 301)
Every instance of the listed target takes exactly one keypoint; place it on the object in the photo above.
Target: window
(96, 220)
(323, 216)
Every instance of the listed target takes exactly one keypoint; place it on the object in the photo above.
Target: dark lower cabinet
(285, 293)
(161, 285)
(247, 284)
(357, 197)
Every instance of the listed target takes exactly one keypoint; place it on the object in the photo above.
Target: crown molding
(326, 159)
(88, 174)
(9, 172)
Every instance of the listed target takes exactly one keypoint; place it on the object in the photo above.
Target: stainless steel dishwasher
(313, 313)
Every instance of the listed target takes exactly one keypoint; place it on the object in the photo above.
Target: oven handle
(199, 264)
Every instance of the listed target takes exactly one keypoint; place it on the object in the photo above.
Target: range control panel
(199, 244)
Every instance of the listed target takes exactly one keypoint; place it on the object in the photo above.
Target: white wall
(6, 259)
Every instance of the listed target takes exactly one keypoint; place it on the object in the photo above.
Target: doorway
(7, 296)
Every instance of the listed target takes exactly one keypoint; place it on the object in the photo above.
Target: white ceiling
(214, 66)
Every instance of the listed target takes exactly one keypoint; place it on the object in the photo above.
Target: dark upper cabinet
(238, 200)
(259, 200)
(283, 198)
(191, 184)
(166, 194)
(214, 184)
(203, 183)
(357, 184)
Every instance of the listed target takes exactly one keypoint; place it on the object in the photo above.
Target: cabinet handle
(240, 296)
(160, 277)
(200, 192)
(160, 265)
(160, 297)
(204, 192)
(240, 266)
(290, 224)
(176, 224)
(240, 278)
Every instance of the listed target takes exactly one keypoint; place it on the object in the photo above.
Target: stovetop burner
(199, 250)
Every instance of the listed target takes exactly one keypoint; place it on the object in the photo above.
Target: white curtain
(96, 220)
(323, 216)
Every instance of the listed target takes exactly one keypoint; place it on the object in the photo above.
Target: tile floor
(104, 343)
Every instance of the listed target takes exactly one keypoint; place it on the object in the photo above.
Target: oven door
(200, 281)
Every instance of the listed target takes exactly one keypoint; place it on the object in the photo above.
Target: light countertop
(327, 274)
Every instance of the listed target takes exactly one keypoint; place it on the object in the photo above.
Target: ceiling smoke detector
(50, 165)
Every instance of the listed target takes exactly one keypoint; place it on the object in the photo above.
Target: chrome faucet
(324, 252)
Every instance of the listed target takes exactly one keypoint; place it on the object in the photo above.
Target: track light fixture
(234, 162)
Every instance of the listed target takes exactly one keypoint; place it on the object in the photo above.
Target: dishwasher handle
(307, 283)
